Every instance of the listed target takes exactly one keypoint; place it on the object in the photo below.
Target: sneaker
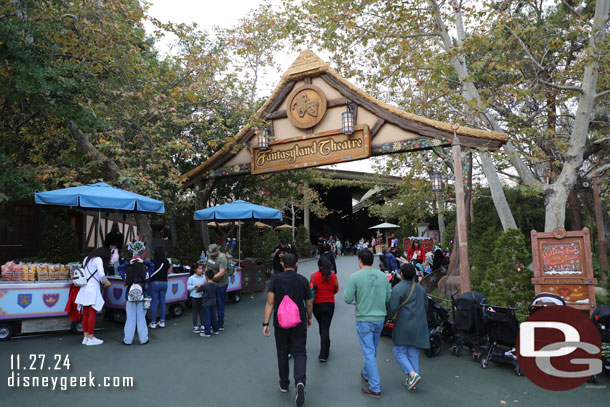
(161, 324)
(94, 341)
(300, 398)
(205, 335)
(216, 333)
(221, 328)
(364, 379)
(283, 390)
(152, 325)
(125, 343)
(85, 340)
(144, 343)
(413, 380)
(196, 330)
(322, 360)
(374, 394)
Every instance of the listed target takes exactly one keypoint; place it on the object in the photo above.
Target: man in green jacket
(218, 263)
(371, 290)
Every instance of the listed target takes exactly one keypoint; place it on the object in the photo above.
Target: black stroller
(468, 322)
(502, 328)
(441, 328)
(601, 319)
(544, 300)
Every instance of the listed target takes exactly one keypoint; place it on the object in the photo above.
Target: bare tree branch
(604, 93)
(527, 51)
(561, 87)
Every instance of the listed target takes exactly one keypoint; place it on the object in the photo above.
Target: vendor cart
(34, 306)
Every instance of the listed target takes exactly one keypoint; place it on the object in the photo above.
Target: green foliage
(504, 279)
(59, 243)
(303, 244)
(263, 244)
(186, 250)
(286, 234)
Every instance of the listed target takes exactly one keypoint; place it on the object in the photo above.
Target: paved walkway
(239, 368)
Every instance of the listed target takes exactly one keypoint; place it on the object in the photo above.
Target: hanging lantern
(263, 139)
(437, 181)
(347, 119)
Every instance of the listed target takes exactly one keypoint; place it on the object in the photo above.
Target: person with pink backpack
(289, 300)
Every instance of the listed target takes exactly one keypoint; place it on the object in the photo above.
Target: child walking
(209, 304)
(192, 285)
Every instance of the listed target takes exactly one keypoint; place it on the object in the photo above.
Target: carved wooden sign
(306, 106)
(563, 266)
(312, 150)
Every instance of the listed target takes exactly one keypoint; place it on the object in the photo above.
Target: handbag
(393, 319)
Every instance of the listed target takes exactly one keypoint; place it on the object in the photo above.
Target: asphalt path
(239, 368)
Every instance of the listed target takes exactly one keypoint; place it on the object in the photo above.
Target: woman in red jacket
(416, 253)
(325, 286)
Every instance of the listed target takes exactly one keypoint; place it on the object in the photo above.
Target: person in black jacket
(157, 287)
(326, 254)
(278, 254)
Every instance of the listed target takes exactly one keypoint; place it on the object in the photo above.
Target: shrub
(59, 242)
(504, 278)
(303, 244)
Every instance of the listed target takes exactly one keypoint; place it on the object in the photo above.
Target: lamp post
(347, 119)
(437, 187)
(263, 139)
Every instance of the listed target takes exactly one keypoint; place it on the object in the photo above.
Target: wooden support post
(456, 150)
(599, 220)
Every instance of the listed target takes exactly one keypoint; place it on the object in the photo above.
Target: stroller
(601, 319)
(388, 326)
(544, 300)
(441, 327)
(468, 322)
(502, 328)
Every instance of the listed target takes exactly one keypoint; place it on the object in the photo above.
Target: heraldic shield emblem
(50, 299)
(24, 300)
(174, 288)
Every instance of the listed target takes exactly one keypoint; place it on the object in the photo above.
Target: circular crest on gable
(306, 106)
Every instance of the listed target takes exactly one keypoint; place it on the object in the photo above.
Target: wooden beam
(279, 99)
(474, 142)
(403, 123)
(280, 114)
(376, 127)
(461, 216)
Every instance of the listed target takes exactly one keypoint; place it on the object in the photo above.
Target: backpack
(231, 264)
(135, 293)
(78, 278)
(288, 314)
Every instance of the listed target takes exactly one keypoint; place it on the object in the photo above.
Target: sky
(226, 13)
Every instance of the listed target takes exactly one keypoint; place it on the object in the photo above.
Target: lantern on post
(437, 181)
(263, 139)
(347, 119)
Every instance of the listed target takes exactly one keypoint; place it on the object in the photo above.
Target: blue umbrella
(237, 211)
(100, 196)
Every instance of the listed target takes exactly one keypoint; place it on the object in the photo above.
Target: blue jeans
(369, 333)
(210, 319)
(136, 318)
(407, 358)
(221, 299)
(157, 289)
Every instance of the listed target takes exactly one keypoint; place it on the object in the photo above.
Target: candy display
(12, 271)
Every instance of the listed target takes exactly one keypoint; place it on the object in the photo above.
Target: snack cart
(27, 305)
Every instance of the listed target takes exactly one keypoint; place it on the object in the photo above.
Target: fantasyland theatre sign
(313, 150)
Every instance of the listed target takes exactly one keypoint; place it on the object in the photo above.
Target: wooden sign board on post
(312, 150)
(563, 266)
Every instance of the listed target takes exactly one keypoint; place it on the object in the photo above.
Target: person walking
(279, 252)
(327, 254)
(409, 307)
(290, 340)
(135, 272)
(324, 285)
(208, 289)
(89, 298)
(218, 263)
(370, 288)
(192, 284)
(157, 287)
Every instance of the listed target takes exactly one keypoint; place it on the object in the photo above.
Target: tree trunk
(173, 232)
(499, 199)
(575, 210)
(557, 193)
(203, 197)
